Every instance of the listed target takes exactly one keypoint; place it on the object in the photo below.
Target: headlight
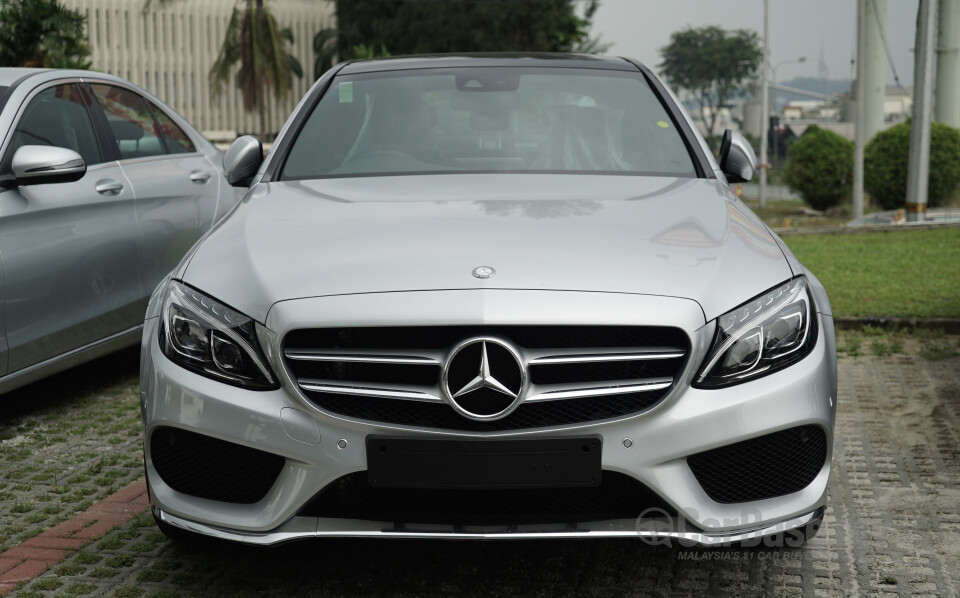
(761, 336)
(211, 339)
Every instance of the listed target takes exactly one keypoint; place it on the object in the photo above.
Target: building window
(156, 38)
(96, 27)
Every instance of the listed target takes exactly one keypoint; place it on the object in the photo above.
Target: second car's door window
(130, 120)
(174, 138)
(57, 116)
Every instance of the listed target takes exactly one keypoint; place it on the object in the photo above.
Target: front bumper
(320, 448)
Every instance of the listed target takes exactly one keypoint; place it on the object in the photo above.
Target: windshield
(488, 120)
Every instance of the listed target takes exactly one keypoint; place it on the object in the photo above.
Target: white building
(170, 50)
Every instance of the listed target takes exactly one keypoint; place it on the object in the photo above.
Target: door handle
(108, 187)
(199, 176)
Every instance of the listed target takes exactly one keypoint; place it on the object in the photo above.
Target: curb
(30, 559)
(948, 325)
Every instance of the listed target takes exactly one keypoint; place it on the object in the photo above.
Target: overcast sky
(639, 28)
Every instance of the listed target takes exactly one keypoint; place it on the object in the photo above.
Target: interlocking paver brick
(49, 555)
(45, 541)
(27, 569)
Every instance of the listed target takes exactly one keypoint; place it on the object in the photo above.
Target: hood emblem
(484, 379)
(484, 272)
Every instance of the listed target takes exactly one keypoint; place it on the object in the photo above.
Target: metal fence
(169, 51)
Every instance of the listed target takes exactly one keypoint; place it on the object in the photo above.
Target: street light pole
(764, 104)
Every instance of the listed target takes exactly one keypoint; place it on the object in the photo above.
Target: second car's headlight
(761, 336)
(211, 339)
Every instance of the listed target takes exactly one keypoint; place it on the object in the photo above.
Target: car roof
(537, 60)
(10, 75)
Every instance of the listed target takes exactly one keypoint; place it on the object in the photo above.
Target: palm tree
(42, 33)
(254, 40)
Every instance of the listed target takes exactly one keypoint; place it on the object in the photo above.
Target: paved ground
(892, 529)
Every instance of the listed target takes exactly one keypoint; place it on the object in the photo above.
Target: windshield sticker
(346, 92)
(660, 123)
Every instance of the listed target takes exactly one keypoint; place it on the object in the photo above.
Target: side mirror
(39, 164)
(737, 159)
(242, 160)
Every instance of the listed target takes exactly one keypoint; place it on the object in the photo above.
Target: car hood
(676, 237)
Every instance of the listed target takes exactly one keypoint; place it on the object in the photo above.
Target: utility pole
(764, 104)
(859, 141)
(918, 169)
(874, 66)
(870, 87)
(947, 100)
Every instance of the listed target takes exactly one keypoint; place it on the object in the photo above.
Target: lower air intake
(206, 467)
(772, 465)
(617, 497)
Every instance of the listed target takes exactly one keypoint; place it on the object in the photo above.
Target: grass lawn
(909, 273)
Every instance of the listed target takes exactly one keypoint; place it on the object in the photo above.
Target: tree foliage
(255, 41)
(456, 26)
(820, 167)
(711, 64)
(43, 34)
(886, 160)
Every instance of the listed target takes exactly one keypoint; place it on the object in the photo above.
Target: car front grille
(617, 497)
(765, 467)
(207, 467)
(577, 374)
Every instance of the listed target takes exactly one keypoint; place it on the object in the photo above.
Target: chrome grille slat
(554, 357)
(394, 374)
(357, 357)
(397, 392)
(583, 391)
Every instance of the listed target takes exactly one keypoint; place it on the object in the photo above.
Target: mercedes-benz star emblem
(484, 272)
(484, 378)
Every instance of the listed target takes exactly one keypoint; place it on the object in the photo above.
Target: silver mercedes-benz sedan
(103, 189)
(491, 296)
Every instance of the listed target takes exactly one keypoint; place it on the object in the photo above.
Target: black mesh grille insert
(207, 467)
(763, 467)
(527, 415)
(617, 497)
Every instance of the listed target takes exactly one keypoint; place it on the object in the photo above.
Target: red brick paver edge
(28, 560)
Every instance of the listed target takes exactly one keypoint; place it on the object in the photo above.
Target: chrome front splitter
(651, 532)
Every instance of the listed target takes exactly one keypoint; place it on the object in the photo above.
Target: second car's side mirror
(737, 159)
(39, 164)
(242, 160)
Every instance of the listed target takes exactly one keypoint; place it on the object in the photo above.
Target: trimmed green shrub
(820, 167)
(886, 158)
